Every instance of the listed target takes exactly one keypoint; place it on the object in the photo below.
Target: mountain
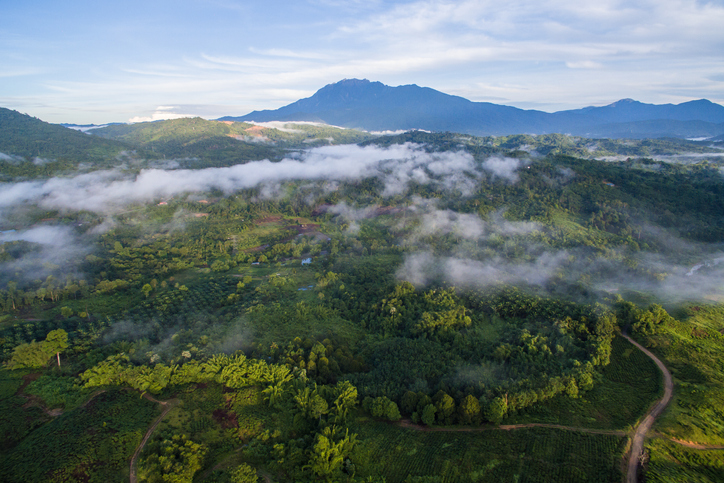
(374, 106)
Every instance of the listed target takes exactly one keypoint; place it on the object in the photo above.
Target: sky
(95, 62)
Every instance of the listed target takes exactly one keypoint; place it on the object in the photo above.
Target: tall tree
(56, 342)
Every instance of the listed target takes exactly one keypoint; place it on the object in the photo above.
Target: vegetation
(536, 454)
(342, 331)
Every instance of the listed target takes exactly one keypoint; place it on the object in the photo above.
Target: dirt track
(692, 444)
(637, 441)
(169, 405)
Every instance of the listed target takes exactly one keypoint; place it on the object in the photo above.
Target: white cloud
(10, 158)
(107, 191)
(161, 113)
(421, 268)
(503, 167)
(584, 64)
(552, 52)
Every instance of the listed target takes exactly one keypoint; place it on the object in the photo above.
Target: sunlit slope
(225, 143)
(23, 136)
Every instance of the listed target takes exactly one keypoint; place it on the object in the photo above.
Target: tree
(56, 342)
(174, 460)
(147, 289)
(572, 387)
(327, 456)
(243, 474)
(36, 354)
(12, 286)
(383, 407)
(423, 401)
(409, 402)
(66, 312)
(497, 409)
(346, 400)
(32, 355)
(445, 406)
(469, 410)
(428, 415)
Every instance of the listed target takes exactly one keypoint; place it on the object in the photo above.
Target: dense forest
(200, 301)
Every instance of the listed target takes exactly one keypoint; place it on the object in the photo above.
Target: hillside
(217, 143)
(411, 307)
(27, 137)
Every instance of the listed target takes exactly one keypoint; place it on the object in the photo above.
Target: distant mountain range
(373, 106)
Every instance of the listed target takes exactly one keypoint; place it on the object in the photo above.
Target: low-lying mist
(110, 191)
(51, 250)
(477, 250)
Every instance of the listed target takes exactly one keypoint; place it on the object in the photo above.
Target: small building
(307, 261)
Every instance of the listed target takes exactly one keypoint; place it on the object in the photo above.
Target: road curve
(637, 441)
(158, 420)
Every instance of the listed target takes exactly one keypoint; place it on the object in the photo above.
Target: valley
(183, 303)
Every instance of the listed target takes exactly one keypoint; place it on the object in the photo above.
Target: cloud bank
(107, 191)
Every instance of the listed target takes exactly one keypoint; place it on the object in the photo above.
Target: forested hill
(223, 143)
(31, 148)
(378, 107)
(24, 136)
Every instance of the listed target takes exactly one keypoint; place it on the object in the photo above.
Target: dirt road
(169, 405)
(637, 441)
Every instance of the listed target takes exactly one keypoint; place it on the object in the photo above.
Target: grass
(625, 390)
(673, 463)
(692, 350)
(524, 455)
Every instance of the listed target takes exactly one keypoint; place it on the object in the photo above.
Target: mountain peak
(374, 106)
(624, 102)
(351, 82)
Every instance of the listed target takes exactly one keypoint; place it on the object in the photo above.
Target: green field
(691, 348)
(671, 463)
(522, 455)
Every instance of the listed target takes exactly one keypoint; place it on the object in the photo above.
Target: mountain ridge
(373, 106)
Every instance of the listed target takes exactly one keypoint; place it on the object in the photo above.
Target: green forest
(197, 301)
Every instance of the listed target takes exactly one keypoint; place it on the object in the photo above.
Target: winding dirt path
(637, 440)
(35, 401)
(692, 444)
(169, 405)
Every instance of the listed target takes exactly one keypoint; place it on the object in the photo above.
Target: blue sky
(102, 61)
